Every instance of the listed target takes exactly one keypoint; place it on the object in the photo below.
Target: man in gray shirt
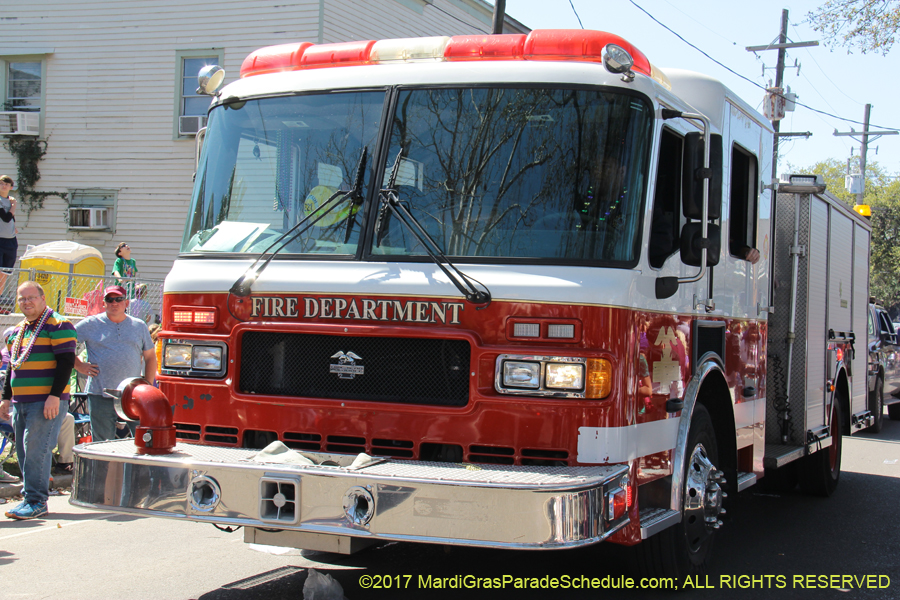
(116, 344)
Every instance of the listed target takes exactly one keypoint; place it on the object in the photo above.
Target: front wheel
(684, 549)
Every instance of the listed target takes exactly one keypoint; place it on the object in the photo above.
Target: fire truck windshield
(491, 174)
(270, 163)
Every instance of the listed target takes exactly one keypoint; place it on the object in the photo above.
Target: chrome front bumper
(466, 504)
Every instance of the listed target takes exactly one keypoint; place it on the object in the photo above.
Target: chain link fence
(75, 295)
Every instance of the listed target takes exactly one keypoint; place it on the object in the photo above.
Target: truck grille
(376, 369)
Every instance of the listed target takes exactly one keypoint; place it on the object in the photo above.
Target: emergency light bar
(189, 315)
(542, 44)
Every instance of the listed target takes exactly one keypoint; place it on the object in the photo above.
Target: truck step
(654, 520)
(745, 480)
(777, 456)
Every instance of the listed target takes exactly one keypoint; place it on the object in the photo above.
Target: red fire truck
(511, 291)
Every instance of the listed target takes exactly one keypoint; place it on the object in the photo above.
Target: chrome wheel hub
(703, 497)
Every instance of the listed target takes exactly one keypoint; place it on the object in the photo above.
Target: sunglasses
(111, 299)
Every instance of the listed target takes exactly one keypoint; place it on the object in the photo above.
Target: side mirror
(692, 177)
(692, 245)
(198, 148)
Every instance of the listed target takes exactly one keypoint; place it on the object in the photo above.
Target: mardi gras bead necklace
(16, 360)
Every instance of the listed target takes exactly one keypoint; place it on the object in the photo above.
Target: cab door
(889, 352)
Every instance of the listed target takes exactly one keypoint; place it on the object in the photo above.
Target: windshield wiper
(390, 201)
(242, 286)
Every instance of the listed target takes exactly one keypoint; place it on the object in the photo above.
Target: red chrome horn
(137, 400)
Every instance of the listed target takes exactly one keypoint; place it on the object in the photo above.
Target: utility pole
(864, 146)
(862, 153)
(779, 79)
(782, 47)
(499, 17)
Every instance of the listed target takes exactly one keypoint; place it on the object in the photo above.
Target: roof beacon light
(617, 60)
(863, 209)
(210, 79)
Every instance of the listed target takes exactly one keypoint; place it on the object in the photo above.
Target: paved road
(77, 554)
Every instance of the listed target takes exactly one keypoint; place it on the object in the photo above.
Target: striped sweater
(33, 381)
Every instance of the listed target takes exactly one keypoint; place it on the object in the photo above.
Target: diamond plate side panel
(859, 401)
(779, 321)
(816, 331)
(840, 273)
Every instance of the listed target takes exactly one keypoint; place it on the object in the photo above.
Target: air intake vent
(495, 455)
(221, 435)
(187, 431)
(345, 444)
(302, 441)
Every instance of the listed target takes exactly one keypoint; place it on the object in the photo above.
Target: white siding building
(108, 80)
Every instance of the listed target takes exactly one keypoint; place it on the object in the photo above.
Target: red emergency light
(335, 55)
(486, 47)
(273, 59)
(204, 316)
(541, 44)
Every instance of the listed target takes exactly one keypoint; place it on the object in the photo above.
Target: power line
(701, 24)
(452, 16)
(576, 13)
(748, 80)
(825, 75)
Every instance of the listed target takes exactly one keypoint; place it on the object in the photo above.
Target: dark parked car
(884, 366)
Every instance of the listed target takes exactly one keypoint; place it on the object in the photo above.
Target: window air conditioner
(88, 217)
(20, 123)
(190, 125)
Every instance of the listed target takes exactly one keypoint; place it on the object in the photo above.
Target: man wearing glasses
(116, 345)
(41, 355)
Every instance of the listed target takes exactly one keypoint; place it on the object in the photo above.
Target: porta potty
(57, 266)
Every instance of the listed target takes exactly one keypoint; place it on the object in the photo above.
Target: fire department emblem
(345, 365)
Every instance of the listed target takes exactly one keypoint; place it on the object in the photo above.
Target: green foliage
(867, 25)
(28, 152)
(882, 193)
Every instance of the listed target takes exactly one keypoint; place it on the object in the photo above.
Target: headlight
(194, 358)
(177, 356)
(553, 376)
(565, 376)
(208, 358)
(522, 374)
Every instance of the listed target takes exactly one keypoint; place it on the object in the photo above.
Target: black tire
(684, 549)
(876, 403)
(821, 472)
(780, 481)
(894, 411)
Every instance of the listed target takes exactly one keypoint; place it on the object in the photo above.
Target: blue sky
(830, 80)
